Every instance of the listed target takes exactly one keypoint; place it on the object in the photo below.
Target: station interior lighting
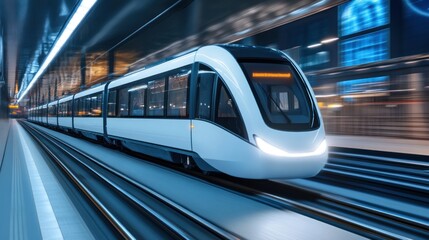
(77, 17)
(329, 40)
(325, 41)
(314, 45)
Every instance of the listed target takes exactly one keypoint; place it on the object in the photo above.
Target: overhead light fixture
(329, 40)
(75, 20)
(315, 45)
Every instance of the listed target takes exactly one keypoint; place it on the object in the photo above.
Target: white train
(245, 111)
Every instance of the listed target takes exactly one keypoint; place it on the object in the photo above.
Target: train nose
(273, 150)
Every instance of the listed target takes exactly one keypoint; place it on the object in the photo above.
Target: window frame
(155, 77)
(296, 127)
(85, 104)
(218, 82)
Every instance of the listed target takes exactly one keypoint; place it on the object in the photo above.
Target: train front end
(285, 133)
(292, 132)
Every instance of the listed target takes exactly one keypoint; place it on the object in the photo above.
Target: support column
(83, 70)
(56, 88)
(111, 64)
(49, 93)
(38, 93)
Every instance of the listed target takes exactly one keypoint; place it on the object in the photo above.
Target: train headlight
(270, 149)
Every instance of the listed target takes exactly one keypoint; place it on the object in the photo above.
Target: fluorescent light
(138, 88)
(326, 95)
(329, 40)
(315, 45)
(76, 19)
(270, 149)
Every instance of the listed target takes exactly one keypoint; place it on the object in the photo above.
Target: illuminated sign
(359, 15)
(371, 47)
(11, 106)
(270, 75)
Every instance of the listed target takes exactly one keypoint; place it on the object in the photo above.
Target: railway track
(334, 209)
(397, 175)
(337, 210)
(401, 176)
(133, 210)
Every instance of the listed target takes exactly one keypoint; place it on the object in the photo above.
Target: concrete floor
(33, 204)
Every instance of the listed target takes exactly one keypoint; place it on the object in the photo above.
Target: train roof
(244, 52)
(65, 99)
(97, 89)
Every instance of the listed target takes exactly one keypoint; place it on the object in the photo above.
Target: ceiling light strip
(83, 9)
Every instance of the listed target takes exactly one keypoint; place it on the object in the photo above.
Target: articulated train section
(189, 119)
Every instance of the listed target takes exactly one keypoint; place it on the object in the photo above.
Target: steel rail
(215, 230)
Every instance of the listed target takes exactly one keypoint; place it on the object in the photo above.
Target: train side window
(69, 109)
(81, 107)
(156, 90)
(123, 103)
(52, 111)
(205, 91)
(111, 104)
(77, 108)
(60, 109)
(87, 106)
(95, 109)
(63, 110)
(137, 97)
(227, 113)
(177, 95)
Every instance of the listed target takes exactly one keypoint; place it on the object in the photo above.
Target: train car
(43, 112)
(30, 113)
(87, 112)
(245, 111)
(33, 114)
(65, 113)
(36, 117)
(52, 114)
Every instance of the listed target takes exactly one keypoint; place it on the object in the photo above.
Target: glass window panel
(123, 103)
(52, 111)
(69, 109)
(227, 114)
(137, 97)
(156, 89)
(87, 106)
(205, 91)
(177, 95)
(281, 95)
(95, 105)
(111, 105)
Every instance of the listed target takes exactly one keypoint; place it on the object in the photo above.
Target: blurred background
(367, 60)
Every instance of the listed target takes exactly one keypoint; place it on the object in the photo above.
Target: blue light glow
(371, 47)
(363, 85)
(359, 15)
(420, 7)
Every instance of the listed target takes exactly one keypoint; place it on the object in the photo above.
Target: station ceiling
(126, 33)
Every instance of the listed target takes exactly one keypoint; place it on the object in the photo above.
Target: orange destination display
(271, 75)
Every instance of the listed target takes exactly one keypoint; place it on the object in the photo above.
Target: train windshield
(282, 96)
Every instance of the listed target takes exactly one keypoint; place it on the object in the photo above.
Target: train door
(217, 119)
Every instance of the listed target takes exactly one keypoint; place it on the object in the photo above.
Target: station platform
(4, 132)
(396, 145)
(33, 204)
